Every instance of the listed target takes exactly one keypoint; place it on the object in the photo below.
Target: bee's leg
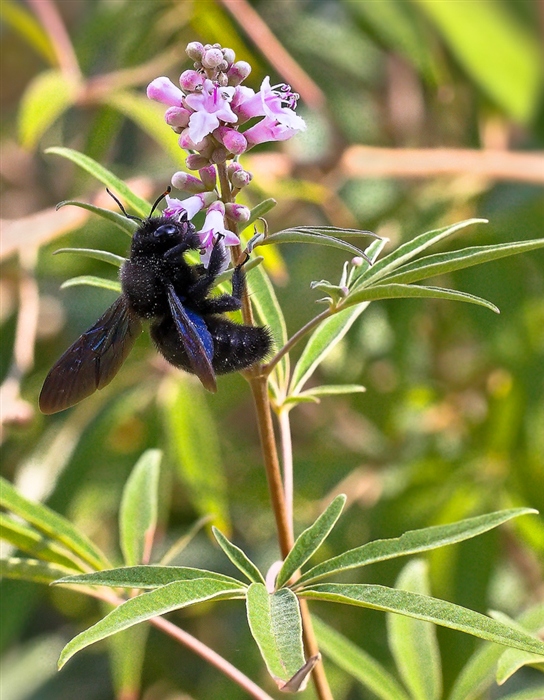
(178, 250)
(238, 279)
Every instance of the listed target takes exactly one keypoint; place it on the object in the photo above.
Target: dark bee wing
(92, 361)
(196, 339)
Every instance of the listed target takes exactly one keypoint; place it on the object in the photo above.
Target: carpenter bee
(187, 325)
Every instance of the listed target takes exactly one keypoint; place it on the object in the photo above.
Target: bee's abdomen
(237, 347)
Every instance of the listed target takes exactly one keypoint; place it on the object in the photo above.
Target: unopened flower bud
(238, 72)
(232, 168)
(186, 142)
(233, 140)
(190, 80)
(187, 183)
(222, 80)
(195, 161)
(237, 212)
(208, 177)
(241, 178)
(219, 155)
(357, 261)
(212, 58)
(229, 56)
(194, 50)
(177, 117)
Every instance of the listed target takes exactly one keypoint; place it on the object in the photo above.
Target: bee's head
(159, 234)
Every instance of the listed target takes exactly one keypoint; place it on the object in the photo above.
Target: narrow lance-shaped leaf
(426, 608)
(53, 525)
(442, 263)
(259, 211)
(103, 255)
(120, 188)
(126, 225)
(34, 543)
(413, 291)
(92, 281)
(276, 626)
(239, 558)
(31, 570)
(139, 507)
(147, 605)
(326, 336)
(410, 249)
(512, 660)
(310, 540)
(413, 642)
(146, 577)
(309, 235)
(355, 661)
(412, 542)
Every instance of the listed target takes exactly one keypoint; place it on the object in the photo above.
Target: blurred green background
(452, 423)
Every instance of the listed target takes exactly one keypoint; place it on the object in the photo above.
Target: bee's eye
(166, 231)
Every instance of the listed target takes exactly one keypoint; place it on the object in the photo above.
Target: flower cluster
(218, 119)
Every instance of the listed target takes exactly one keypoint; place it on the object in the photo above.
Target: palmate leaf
(411, 542)
(120, 188)
(355, 661)
(308, 542)
(34, 570)
(103, 255)
(146, 577)
(126, 225)
(143, 607)
(276, 626)
(139, 508)
(238, 557)
(51, 524)
(423, 607)
(92, 281)
(413, 643)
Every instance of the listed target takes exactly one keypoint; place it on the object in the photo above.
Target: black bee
(187, 325)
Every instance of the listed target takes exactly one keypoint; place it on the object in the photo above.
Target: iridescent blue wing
(196, 340)
(92, 361)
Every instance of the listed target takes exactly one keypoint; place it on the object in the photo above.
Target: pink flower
(276, 103)
(214, 225)
(190, 206)
(163, 90)
(211, 106)
(268, 130)
(233, 140)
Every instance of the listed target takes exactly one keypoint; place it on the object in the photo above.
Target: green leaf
(535, 692)
(259, 211)
(149, 116)
(33, 542)
(146, 577)
(410, 249)
(413, 642)
(102, 255)
(309, 541)
(193, 438)
(442, 263)
(414, 291)
(269, 312)
(47, 96)
(139, 508)
(147, 605)
(31, 570)
(412, 542)
(53, 525)
(310, 234)
(423, 607)
(92, 281)
(28, 27)
(276, 626)
(239, 558)
(478, 674)
(126, 225)
(325, 337)
(496, 50)
(357, 663)
(140, 206)
(331, 390)
(127, 653)
(513, 659)
(182, 542)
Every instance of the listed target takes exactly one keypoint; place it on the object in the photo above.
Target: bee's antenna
(159, 200)
(122, 208)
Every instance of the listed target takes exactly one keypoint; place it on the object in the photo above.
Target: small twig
(287, 462)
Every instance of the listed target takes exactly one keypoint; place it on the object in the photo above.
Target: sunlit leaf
(307, 234)
(147, 605)
(357, 662)
(309, 541)
(423, 607)
(116, 185)
(47, 96)
(276, 626)
(25, 24)
(31, 570)
(512, 660)
(120, 220)
(139, 509)
(412, 542)
(238, 557)
(92, 281)
(103, 255)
